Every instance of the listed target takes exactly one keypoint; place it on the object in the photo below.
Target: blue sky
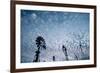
(54, 26)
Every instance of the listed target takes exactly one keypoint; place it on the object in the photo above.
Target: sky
(54, 26)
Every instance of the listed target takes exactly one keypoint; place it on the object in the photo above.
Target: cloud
(34, 16)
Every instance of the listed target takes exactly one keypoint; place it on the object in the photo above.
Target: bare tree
(82, 43)
(79, 37)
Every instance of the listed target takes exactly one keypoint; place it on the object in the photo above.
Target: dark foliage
(40, 42)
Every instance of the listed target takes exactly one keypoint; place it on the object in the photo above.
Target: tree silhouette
(76, 57)
(53, 58)
(65, 51)
(79, 37)
(40, 42)
(81, 41)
